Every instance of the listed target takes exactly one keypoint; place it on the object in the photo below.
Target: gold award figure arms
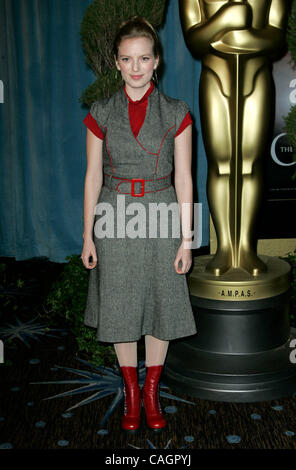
(236, 40)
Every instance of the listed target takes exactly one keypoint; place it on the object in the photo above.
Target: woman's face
(136, 61)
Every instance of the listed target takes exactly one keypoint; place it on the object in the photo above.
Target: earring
(154, 76)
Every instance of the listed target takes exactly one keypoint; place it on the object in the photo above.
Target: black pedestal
(241, 353)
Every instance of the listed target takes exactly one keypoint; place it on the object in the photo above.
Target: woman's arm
(92, 187)
(184, 192)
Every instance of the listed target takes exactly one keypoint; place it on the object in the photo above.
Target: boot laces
(125, 404)
(125, 400)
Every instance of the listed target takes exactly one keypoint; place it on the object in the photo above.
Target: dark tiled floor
(44, 407)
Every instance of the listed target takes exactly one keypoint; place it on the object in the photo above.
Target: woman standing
(137, 283)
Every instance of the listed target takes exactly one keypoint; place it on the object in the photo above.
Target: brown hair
(137, 26)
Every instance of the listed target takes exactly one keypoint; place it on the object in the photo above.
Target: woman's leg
(127, 358)
(126, 353)
(156, 350)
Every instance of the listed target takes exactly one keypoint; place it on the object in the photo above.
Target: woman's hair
(137, 26)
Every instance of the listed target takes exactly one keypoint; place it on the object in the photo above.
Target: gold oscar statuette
(241, 351)
(237, 42)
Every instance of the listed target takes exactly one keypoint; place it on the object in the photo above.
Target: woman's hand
(184, 255)
(89, 249)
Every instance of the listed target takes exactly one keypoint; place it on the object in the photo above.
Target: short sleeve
(97, 113)
(185, 123)
(182, 110)
(92, 124)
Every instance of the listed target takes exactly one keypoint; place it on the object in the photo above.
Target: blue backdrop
(42, 136)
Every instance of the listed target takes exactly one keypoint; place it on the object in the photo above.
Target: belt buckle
(142, 181)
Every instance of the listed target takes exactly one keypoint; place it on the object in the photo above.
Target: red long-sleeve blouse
(137, 111)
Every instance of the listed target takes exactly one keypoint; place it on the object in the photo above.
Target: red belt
(127, 185)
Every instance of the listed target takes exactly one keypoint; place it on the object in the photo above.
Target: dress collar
(148, 92)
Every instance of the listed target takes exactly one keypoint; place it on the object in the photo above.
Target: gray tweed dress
(134, 289)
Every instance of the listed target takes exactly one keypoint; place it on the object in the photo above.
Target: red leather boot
(150, 395)
(132, 399)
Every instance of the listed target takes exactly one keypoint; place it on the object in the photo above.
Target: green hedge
(290, 119)
(98, 29)
(66, 301)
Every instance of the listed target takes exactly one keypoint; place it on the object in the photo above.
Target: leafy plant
(290, 119)
(290, 129)
(291, 32)
(98, 28)
(66, 300)
(12, 290)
